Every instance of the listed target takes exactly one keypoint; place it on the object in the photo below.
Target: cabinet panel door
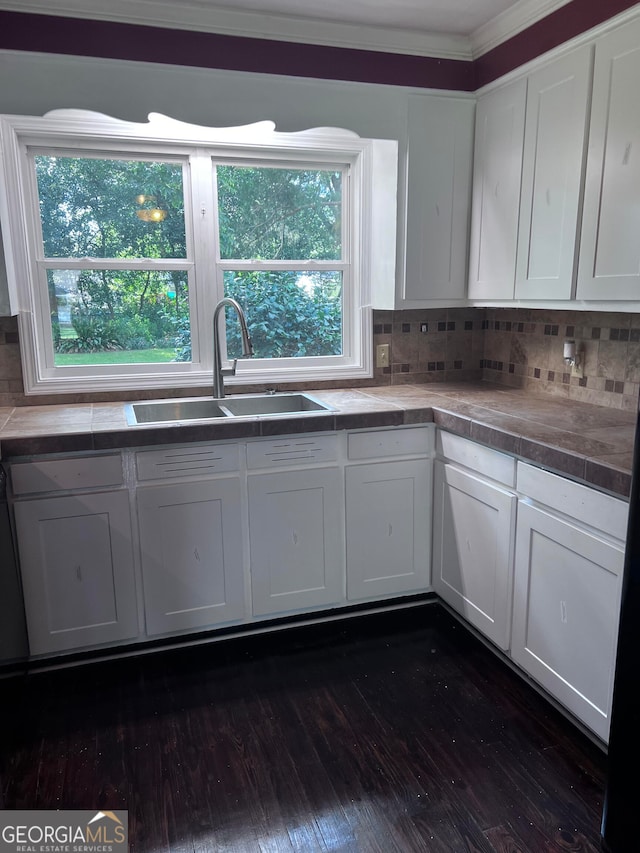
(474, 523)
(439, 192)
(296, 534)
(556, 125)
(610, 250)
(496, 192)
(77, 570)
(191, 546)
(565, 613)
(388, 529)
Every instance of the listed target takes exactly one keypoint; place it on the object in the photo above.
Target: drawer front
(582, 503)
(497, 466)
(292, 450)
(187, 460)
(414, 441)
(54, 475)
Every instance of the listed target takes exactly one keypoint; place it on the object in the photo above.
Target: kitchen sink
(272, 404)
(210, 408)
(165, 411)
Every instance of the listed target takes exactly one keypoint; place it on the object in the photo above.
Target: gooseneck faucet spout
(247, 347)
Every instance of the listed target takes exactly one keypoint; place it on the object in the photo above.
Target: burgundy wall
(53, 34)
(560, 26)
(81, 37)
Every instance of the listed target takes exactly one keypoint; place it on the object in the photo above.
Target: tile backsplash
(517, 347)
(436, 345)
(523, 348)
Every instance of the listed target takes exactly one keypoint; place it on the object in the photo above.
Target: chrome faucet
(219, 372)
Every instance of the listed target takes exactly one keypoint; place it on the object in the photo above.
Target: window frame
(368, 239)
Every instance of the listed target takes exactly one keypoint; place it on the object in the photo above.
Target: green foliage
(128, 309)
(93, 334)
(279, 214)
(89, 209)
(182, 340)
(286, 320)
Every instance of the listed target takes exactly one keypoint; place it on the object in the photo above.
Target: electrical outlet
(382, 355)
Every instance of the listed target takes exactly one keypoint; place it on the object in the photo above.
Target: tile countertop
(590, 443)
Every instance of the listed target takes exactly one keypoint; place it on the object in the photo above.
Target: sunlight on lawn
(138, 356)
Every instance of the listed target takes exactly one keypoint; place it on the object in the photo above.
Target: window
(121, 238)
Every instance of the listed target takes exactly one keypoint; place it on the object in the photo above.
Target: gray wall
(131, 90)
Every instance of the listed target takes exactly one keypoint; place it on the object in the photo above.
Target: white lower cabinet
(388, 511)
(191, 554)
(567, 591)
(388, 529)
(532, 560)
(296, 539)
(473, 536)
(77, 570)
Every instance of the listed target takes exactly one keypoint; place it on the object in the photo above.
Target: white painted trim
(192, 16)
(374, 186)
(189, 15)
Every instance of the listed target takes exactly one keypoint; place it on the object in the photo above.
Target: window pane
(119, 317)
(289, 314)
(279, 214)
(110, 208)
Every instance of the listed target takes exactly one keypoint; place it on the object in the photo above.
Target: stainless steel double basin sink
(210, 408)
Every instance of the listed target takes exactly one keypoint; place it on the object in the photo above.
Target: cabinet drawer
(187, 460)
(54, 475)
(415, 441)
(477, 457)
(584, 504)
(292, 449)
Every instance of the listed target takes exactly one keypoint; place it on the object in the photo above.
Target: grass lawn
(122, 356)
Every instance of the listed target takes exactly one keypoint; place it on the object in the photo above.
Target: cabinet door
(473, 534)
(77, 570)
(565, 612)
(496, 192)
(296, 535)
(609, 265)
(439, 193)
(191, 546)
(556, 125)
(388, 529)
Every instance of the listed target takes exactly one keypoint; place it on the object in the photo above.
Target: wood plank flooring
(385, 733)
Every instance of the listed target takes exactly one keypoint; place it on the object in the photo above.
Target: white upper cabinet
(440, 149)
(530, 140)
(499, 142)
(555, 134)
(609, 266)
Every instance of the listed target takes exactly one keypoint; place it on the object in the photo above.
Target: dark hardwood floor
(385, 733)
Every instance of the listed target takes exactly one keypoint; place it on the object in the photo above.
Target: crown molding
(509, 23)
(201, 17)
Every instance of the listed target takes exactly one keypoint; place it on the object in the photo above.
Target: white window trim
(373, 169)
